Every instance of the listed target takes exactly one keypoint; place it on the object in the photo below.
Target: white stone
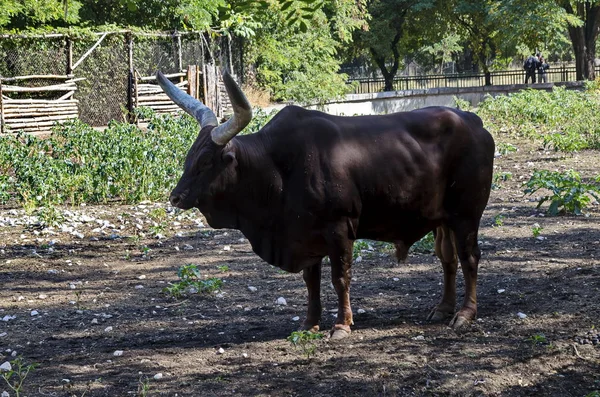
(42, 296)
(94, 321)
(501, 290)
(34, 313)
(358, 259)
(4, 394)
(142, 277)
(245, 355)
(139, 287)
(396, 279)
(227, 248)
(221, 350)
(5, 366)
(108, 329)
(361, 311)
(8, 317)
(158, 376)
(281, 301)
(420, 337)
(188, 247)
(295, 318)
(252, 289)
(118, 353)
(521, 315)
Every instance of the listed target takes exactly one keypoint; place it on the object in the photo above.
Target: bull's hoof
(440, 314)
(462, 319)
(339, 332)
(310, 327)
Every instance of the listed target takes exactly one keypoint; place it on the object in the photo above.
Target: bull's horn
(242, 113)
(191, 105)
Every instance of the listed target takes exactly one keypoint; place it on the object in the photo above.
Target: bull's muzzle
(175, 200)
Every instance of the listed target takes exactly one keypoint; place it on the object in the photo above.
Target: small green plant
(143, 386)
(50, 216)
(190, 283)
(15, 377)
(568, 193)
(305, 340)
(505, 148)
(360, 246)
(223, 268)
(538, 339)
(500, 177)
(536, 229)
(498, 220)
(595, 393)
(425, 245)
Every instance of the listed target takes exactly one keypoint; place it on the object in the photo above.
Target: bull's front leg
(312, 278)
(341, 261)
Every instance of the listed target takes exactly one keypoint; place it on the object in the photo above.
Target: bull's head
(210, 163)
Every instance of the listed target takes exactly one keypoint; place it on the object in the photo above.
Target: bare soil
(101, 291)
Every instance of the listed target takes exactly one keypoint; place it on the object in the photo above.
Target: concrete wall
(397, 101)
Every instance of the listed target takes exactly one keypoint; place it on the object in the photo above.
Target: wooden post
(130, 88)
(179, 54)
(1, 109)
(192, 78)
(69, 68)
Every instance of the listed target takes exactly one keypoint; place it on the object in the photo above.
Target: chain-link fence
(105, 92)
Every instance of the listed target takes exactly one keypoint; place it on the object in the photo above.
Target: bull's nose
(175, 200)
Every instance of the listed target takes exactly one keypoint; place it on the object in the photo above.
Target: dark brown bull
(309, 184)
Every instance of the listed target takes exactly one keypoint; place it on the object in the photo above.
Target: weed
(500, 177)
(359, 247)
(15, 377)
(498, 220)
(191, 283)
(223, 268)
(505, 148)
(595, 393)
(49, 216)
(425, 245)
(143, 386)
(305, 340)
(568, 193)
(536, 229)
(538, 339)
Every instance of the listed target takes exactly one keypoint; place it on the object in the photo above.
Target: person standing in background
(531, 66)
(542, 68)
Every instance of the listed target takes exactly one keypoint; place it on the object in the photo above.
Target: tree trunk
(388, 75)
(583, 38)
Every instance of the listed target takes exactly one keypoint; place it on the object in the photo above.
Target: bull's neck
(258, 188)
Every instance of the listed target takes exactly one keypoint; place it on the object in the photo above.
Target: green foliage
(425, 245)
(16, 376)
(500, 177)
(536, 230)
(259, 119)
(594, 393)
(143, 386)
(538, 339)
(190, 282)
(505, 148)
(297, 65)
(305, 340)
(566, 120)
(567, 193)
(80, 164)
(498, 220)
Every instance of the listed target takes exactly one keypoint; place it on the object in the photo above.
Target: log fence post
(130, 78)
(1, 109)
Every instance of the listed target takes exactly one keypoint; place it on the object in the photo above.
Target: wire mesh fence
(106, 63)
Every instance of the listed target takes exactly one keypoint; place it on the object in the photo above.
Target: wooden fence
(55, 103)
(503, 77)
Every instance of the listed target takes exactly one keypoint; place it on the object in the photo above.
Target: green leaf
(286, 5)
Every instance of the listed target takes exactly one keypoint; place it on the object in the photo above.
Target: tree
(392, 21)
(584, 34)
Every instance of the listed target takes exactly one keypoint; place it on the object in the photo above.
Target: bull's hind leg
(469, 255)
(312, 278)
(445, 251)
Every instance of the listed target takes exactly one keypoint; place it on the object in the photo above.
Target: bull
(308, 184)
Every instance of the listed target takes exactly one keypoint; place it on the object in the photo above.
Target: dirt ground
(85, 302)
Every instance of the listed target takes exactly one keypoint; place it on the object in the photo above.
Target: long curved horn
(242, 113)
(191, 105)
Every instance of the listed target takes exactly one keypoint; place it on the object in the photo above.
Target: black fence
(555, 74)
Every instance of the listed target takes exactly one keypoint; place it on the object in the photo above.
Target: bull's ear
(229, 158)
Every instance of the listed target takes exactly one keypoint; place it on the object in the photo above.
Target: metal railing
(502, 77)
